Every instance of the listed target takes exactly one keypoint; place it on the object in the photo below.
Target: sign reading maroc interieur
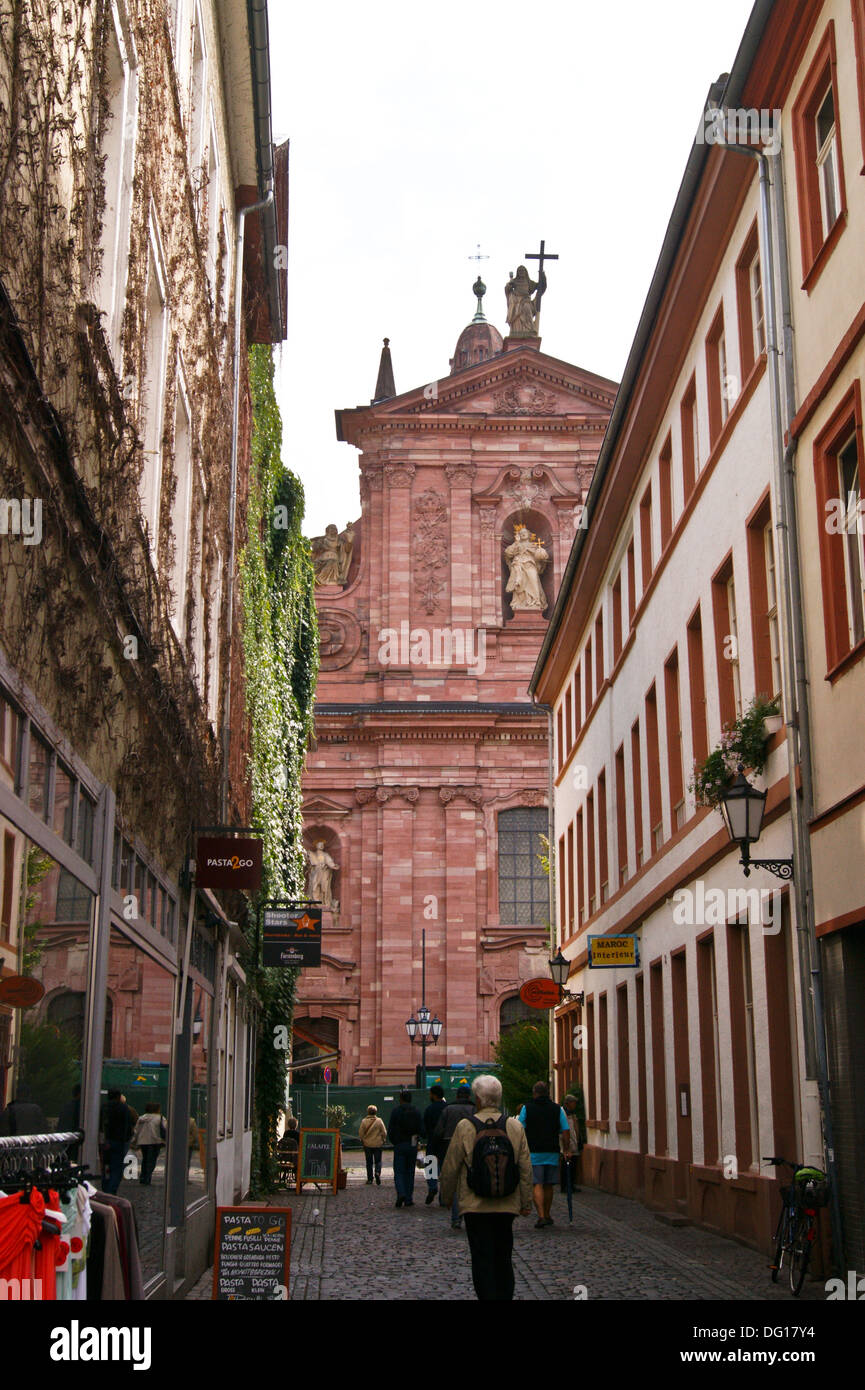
(291, 935)
(223, 861)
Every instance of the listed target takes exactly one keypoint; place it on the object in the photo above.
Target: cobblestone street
(356, 1245)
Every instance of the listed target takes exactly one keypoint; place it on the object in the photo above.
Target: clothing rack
(58, 1140)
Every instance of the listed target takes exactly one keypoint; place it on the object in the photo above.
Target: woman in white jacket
(149, 1137)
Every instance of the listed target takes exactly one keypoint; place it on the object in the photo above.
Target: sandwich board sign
(251, 1254)
(318, 1158)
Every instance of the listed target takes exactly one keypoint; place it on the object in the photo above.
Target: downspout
(242, 215)
(798, 724)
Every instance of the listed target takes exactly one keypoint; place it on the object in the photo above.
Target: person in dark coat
(435, 1148)
(22, 1115)
(118, 1122)
(462, 1108)
(404, 1131)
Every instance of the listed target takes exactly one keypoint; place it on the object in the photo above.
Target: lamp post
(424, 1029)
(742, 807)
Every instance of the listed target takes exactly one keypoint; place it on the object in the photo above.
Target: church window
(513, 1011)
(523, 885)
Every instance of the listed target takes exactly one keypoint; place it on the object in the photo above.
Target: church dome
(479, 340)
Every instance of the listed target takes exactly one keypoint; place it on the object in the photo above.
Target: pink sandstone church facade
(428, 784)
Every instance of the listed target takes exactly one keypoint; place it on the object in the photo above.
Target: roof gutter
(259, 47)
(727, 95)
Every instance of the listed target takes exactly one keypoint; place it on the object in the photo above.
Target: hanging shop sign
(318, 1159)
(224, 861)
(251, 1254)
(291, 934)
(20, 991)
(541, 994)
(620, 951)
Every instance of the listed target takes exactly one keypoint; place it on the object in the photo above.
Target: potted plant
(336, 1117)
(743, 745)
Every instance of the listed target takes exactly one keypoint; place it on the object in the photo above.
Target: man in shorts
(545, 1123)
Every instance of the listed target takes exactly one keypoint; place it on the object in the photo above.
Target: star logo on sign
(305, 923)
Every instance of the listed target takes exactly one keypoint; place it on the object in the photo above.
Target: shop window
(73, 899)
(841, 513)
(819, 163)
(86, 818)
(523, 885)
(197, 1136)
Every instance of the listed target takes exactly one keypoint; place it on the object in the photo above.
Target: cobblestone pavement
(357, 1245)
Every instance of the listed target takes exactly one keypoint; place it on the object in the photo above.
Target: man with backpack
(545, 1124)
(488, 1169)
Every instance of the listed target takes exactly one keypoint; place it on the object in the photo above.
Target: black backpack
(493, 1170)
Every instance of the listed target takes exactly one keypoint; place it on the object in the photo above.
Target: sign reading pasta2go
(224, 861)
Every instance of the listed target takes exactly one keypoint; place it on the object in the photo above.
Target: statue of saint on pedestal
(320, 876)
(527, 560)
(522, 313)
(331, 555)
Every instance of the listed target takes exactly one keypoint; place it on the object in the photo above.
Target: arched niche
(537, 525)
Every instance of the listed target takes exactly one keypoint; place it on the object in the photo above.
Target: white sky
(418, 131)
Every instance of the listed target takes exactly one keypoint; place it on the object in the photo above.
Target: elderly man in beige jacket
(489, 1220)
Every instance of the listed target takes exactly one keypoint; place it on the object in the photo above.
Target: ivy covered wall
(280, 647)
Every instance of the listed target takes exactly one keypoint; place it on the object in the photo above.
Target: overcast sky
(418, 131)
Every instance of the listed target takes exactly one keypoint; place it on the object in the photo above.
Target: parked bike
(797, 1224)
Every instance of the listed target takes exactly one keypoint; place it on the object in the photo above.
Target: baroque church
(428, 786)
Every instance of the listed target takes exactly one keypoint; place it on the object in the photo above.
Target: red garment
(20, 1228)
(47, 1257)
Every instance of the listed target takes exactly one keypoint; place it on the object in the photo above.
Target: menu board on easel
(251, 1254)
(318, 1158)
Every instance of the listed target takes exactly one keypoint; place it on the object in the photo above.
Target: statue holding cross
(523, 312)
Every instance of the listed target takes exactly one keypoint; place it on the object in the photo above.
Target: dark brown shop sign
(222, 861)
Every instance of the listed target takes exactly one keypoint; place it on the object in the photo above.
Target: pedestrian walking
(372, 1134)
(574, 1106)
(148, 1137)
(435, 1148)
(404, 1131)
(488, 1170)
(545, 1123)
(462, 1108)
(118, 1122)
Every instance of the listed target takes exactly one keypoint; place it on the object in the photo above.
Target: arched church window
(514, 1011)
(523, 885)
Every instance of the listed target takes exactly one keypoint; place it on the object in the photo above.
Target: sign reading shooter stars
(291, 934)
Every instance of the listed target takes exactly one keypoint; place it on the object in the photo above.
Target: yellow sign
(608, 951)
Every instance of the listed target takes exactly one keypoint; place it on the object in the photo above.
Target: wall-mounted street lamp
(559, 970)
(742, 807)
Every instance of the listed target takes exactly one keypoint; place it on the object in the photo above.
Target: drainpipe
(798, 722)
(242, 215)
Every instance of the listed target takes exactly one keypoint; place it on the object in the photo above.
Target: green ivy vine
(280, 648)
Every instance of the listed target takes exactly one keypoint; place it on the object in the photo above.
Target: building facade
(705, 579)
(120, 671)
(427, 789)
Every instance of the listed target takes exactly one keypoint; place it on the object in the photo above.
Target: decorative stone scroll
(430, 547)
(522, 398)
(364, 795)
(472, 794)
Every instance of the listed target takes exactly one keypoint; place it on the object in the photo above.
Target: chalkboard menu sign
(250, 1260)
(318, 1160)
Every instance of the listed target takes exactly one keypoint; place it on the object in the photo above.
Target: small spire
(479, 289)
(385, 389)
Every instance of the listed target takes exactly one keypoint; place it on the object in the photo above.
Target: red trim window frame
(750, 302)
(603, 856)
(646, 535)
(617, 617)
(729, 684)
(563, 894)
(690, 438)
(580, 914)
(653, 767)
(819, 231)
(763, 585)
(665, 479)
(569, 720)
(716, 376)
(578, 700)
(632, 584)
(560, 741)
(840, 537)
(599, 649)
(621, 817)
(858, 9)
(590, 689)
(637, 783)
(675, 755)
(590, 853)
(697, 687)
(569, 911)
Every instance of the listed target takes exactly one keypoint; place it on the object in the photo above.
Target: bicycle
(797, 1224)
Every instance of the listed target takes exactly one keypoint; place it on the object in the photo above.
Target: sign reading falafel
(251, 1254)
(223, 861)
(291, 934)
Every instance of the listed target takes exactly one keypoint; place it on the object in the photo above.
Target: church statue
(331, 555)
(320, 876)
(522, 313)
(527, 560)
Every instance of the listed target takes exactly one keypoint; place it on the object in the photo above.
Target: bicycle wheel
(780, 1244)
(801, 1253)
